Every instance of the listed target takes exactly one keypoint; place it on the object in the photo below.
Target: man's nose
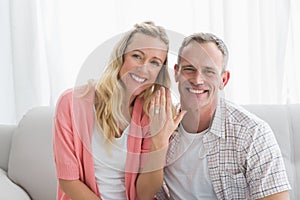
(198, 78)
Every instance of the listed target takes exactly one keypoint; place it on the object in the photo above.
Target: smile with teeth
(196, 91)
(138, 79)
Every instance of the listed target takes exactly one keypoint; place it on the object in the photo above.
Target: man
(220, 151)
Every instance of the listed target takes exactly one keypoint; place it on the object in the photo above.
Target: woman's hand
(162, 125)
(162, 121)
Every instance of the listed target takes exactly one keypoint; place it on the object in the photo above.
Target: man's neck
(197, 120)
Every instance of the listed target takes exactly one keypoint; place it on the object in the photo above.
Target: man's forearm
(279, 196)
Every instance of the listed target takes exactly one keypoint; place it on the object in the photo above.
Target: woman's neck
(127, 109)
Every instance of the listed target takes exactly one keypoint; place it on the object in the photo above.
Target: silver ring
(156, 111)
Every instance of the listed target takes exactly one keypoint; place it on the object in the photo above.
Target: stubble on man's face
(199, 76)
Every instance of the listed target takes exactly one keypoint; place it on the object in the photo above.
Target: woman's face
(143, 59)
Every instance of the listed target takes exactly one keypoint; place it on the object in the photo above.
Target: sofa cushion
(9, 190)
(31, 163)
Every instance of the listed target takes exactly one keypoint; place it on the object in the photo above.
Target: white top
(190, 169)
(109, 163)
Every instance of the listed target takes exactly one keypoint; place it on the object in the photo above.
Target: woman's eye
(137, 57)
(155, 63)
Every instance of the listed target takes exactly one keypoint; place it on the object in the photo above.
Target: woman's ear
(176, 69)
(225, 78)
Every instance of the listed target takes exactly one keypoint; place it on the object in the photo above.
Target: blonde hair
(109, 92)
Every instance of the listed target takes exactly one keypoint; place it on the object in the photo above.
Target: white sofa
(27, 168)
(26, 160)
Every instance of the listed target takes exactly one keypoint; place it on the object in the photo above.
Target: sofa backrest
(31, 163)
(285, 123)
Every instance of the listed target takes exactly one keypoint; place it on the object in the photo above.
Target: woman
(99, 136)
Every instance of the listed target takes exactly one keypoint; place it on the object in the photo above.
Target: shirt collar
(218, 124)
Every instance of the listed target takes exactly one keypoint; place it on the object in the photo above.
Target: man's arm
(278, 196)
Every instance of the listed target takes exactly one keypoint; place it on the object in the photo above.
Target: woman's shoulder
(78, 93)
(66, 96)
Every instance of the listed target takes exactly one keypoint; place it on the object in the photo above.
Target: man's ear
(176, 69)
(225, 78)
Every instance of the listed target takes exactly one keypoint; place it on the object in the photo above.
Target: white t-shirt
(188, 176)
(109, 163)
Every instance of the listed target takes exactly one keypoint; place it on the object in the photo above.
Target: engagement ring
(156, 111)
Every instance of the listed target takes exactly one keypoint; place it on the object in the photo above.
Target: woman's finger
(179, 117)
(152, 103)
(163, 99)
(157, 102)
(169, 104)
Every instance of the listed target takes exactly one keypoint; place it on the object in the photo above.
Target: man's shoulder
(242, 124)
(238, 115)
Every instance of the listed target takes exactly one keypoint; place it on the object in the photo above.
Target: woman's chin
(140, 90)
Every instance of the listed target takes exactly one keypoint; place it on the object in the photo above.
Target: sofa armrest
(31, 161)
(10, 190)
(6, 132)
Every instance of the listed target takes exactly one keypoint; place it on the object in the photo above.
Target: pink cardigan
(72, 134)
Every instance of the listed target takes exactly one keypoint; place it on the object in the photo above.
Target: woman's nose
(142, 67)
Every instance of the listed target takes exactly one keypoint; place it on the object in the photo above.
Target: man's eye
(208, 71)
(188, 69)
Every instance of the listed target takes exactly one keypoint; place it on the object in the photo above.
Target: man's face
(200, 76)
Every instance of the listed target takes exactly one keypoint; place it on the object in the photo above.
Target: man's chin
(196, 105)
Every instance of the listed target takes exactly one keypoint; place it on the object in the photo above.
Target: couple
(122, 139)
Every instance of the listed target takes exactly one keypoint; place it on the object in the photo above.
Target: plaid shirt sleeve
(266, 172)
